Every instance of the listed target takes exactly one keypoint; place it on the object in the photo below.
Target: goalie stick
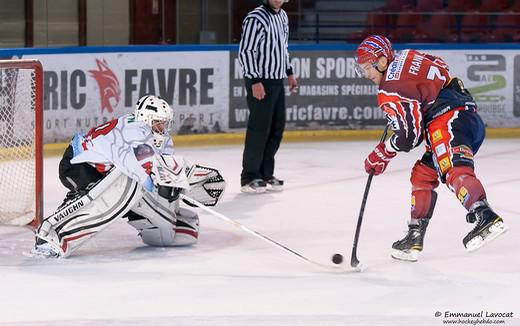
(337, 268)
(354, 261)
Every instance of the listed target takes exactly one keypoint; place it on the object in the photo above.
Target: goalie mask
(158, 115)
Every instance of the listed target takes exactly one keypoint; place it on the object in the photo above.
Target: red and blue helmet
(372, 48)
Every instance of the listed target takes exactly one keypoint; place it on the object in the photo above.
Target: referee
(265, 62)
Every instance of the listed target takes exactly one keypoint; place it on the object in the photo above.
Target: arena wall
(86, 86)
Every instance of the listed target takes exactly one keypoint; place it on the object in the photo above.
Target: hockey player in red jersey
(423, 102)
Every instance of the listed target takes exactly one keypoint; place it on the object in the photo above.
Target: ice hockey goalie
(157, 215)
(126, 168)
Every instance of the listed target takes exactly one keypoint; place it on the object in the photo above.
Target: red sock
(463, 182)
(424, 180)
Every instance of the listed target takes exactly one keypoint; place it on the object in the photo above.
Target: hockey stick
(354, 261)
(264, 238)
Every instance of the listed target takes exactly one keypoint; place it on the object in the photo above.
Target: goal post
(21, 142)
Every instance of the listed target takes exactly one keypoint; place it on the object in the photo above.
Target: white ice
(233, 278)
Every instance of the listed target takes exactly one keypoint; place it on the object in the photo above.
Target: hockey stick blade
(341, 268)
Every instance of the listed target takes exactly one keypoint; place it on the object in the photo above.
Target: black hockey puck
(337, 259)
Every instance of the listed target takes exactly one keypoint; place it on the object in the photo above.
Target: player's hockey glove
(378, 160)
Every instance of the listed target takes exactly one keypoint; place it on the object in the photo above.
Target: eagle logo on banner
(108, 84)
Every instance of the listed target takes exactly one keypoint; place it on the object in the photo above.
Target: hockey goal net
(21, 142)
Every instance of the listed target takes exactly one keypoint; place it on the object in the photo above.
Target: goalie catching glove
(206, 185)
(173, 175)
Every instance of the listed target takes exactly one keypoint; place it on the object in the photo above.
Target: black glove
(169, 193)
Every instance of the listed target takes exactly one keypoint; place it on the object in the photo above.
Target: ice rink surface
(233, 278)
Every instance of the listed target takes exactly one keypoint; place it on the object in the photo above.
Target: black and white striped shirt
(263, 50)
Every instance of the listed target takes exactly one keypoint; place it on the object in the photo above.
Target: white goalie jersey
(124, 143)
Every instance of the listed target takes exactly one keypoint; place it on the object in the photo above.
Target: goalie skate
(488, 227)
(44, 250)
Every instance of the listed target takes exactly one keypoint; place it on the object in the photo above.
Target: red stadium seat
(461, 6)
(429, 5)
(474, 27)
(399, 5)
(494, 5)
(378, 23)
(405, 27)
(515, 7)
(506, 28)
(440, 27)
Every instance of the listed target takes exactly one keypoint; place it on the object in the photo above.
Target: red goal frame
(36, 66)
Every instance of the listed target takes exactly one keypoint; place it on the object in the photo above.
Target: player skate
(257, 186)
(274, 184)
(409, 247)
(488, 226)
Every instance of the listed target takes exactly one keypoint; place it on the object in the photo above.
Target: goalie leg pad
(150, 234)
(187, 227)
(161, 225)
(154, 218)
(81, 219)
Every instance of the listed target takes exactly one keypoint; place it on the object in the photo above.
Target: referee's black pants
(264, 130)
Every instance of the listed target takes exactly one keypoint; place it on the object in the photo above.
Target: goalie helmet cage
(21, 142)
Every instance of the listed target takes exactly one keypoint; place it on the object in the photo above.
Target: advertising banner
(492, 77)
(516, 87)
(330, 94)
(206, 88)
(84, 90)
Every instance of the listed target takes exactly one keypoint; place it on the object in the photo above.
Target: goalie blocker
(157, 215)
